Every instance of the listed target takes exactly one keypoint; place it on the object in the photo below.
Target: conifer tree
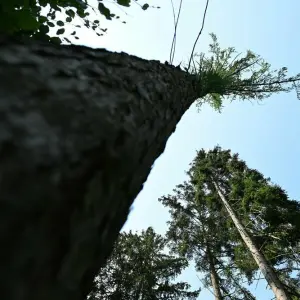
(267, 221)
(198, 231)
(140, 269)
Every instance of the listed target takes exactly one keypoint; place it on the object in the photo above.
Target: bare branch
(200, 32)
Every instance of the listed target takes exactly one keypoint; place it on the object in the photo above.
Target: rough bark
(213, 275)
(267, 270)
(79, 132)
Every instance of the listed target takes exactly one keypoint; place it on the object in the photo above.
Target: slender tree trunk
(213, 275)
(268, 272)
(79, 132)
(138, 292)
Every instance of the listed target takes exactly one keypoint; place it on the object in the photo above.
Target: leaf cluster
(35, 18)
(225, 73)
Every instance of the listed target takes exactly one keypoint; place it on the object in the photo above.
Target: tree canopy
(140, 268)
(228, 74)
(201, 229)
(200, 233)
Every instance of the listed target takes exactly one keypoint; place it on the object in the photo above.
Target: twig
(173, 46)
(203, 21)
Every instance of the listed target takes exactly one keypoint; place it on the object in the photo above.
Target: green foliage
(226, 74)
(200, 224)
(198, 230)
(145, 6)
(270, 217)
(124, 2)
(34, 18)
(139, 268)
(104, 11)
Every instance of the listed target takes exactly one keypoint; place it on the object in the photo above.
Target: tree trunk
(213, 275)
(79, 132)
(268, 272)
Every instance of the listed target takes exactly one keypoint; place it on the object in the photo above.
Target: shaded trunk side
(213, 275)
(79, 132)
(268, 272)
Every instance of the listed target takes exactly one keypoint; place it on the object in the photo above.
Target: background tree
(199, 232)
(140, 268)
(262, 211)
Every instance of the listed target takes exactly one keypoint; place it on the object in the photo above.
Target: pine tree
(266, 219)
(140, 269)
(198, 232)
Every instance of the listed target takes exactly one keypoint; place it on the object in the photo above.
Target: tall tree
(199, 232)
(259, 204)
(266, 269)
(78, 139)
(139, 268)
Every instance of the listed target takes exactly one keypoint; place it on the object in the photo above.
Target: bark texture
(79, 132)
(267, 270)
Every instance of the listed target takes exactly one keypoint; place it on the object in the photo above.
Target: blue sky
(267, 136)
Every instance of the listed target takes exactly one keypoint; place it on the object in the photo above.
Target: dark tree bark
(79, 132)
